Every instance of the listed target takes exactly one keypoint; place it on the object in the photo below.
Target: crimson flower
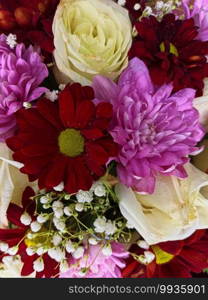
(17, 236)
(172, 259)
(31, 21)
(135, 8)
(170, 50)
(65, 141)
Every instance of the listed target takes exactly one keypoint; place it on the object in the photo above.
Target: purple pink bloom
(155, 129)
(21, 73)
(96, 264)
(198, 10)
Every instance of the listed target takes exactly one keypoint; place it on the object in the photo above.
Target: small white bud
(100, 224)
(143, 244)
(107, 250)
(64, 266)
(42, 218)
(78, 253)
(93, 241)
(57, 204)
(62, 86)
(44, 199)
(35, 226)
(79, 207)
(57, 239)
(27, 105)
(4, 247)
(99, 189)
(58, 213)
(110, 228)
(25, 219)
(122, 2)
(11, 40)
(30, 251)
(83, 196)
(30, 236)
(52, 95)
(69, 247)
(149, 256)
(38, 265)
(40, 251)
(59, 187)
(67, 211)
(137, 6)
(13, 251)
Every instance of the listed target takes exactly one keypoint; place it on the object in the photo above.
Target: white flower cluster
(102, 225)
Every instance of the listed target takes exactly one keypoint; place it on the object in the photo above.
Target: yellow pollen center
(71, 142)
(172, 49)
(162, 257)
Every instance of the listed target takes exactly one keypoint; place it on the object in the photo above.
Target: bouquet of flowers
(103, 145)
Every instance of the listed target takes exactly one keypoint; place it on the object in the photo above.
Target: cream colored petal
(175, 210)
(201, 104)
(12, 182)
(91, 37)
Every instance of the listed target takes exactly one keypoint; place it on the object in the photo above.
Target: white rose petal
(91, 37)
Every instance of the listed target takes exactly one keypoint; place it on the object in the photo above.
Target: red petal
(49, 111)
(67, 108)
(85, 113)
(14, 213)
(104, 110)
(71, 180)
(96, 153)
(27, 203)
(56, 171)
(92, 134)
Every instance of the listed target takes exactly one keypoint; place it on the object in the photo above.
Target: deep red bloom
(65, 141)
(17, 236)
(170, 50)
(135, 13)
(30, 20)
(173, 259)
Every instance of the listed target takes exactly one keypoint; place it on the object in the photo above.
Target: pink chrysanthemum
(156, 130)
(21, 72)
(94, 264)
(198, 9)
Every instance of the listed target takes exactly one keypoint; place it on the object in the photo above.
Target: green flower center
(71, 142)
(172, 49)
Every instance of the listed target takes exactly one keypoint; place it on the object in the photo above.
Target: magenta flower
(96, 264)
(21, 72)
(198, 9)
(155, 129)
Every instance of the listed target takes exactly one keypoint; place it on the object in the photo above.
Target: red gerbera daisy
(172, 259)
(30, 20)
(65, 141)
(171, 51)
(17, 237)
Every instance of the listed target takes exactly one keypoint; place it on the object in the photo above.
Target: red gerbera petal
(65, 141)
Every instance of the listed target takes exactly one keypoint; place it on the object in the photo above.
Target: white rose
(11, 268)
(91, 37)
(175, 210)
(12, 182)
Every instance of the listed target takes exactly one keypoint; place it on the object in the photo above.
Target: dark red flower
(17, 236)
(65, 141)
(134, 12)
(170, 50)
(30, 20)
(172, 259)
